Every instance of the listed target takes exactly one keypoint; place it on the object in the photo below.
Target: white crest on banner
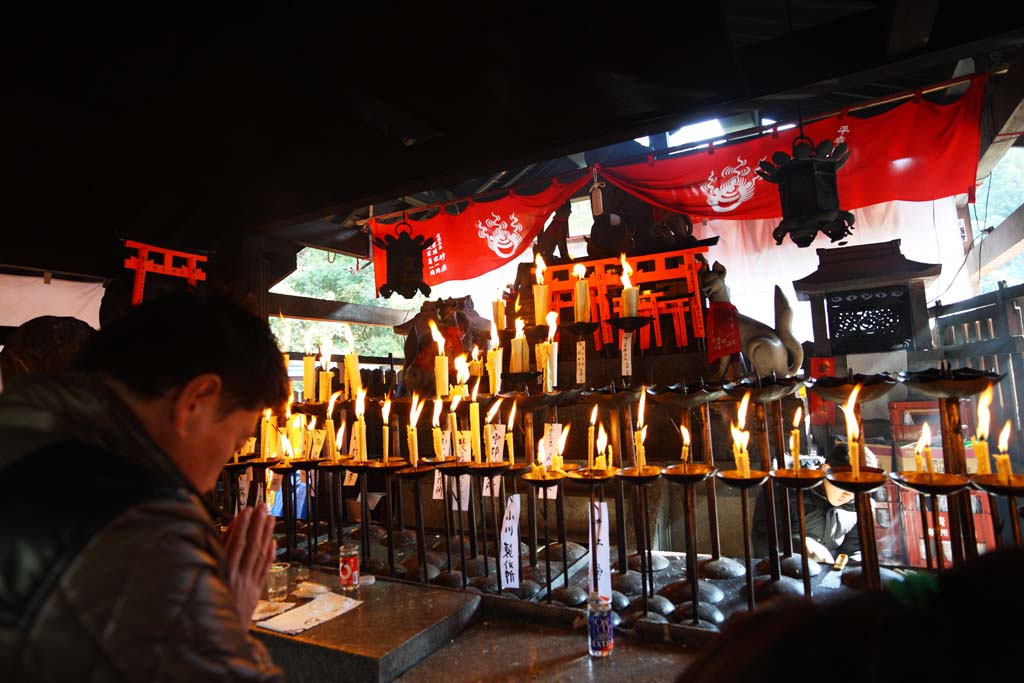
(734, 185)
(503, 237)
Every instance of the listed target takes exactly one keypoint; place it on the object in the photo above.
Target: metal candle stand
(362, 468)
(309, 466)
(539, 483)
(333, 471)
(451, 471)
(733, 479)
(799, 481)
(1011, 487)
(932, 484)
(416, 475)
(389, 468)
(492, 471)
(288, 506)
(593, 479)
(629, 325)
(642, 478)
(688, 475)
(866, 481)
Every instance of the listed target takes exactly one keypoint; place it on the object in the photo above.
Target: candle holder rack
(492, 471)
(538, 482)
(860, 485)
(733, 479)
(389, 468)
(800, 480)
(416, 475)
(1012, 487)
(642, 478)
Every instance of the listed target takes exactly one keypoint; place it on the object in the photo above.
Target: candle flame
(330, 404)
(385, 411)
(742, 414)
(288, 408)
(796, 417)
(520, 328)
(346, 332)
(307, 341)
(512, 416)
(476, 390)
(436, 419)
(461, 369)
(1004, 437)
(593, 415)
(437, 337)
(925, 440)
(540, 451)
(852, 428)
(517, 303)
(267, 413)
(640, 408)
(627, 270)
(562, 438)
(326, 351)
(494, 410)
(339, 439)
(580, 271)
(540, 268)
(495, 340)
(685, 434)
(552, 318)
(286, 449)
(312, 425)
(984, 415)
(414, 410)
(475, 355)
(360, 403)
(455, 402)
(740, 437)
(602, 439)
(643, 434)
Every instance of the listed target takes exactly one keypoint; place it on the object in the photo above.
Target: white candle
(629, 292)
(440, 362)
(540, 293)
(853, 433)
(520, 360)
(550, 354)
(476, 366)
(474, 424)
(1003, 467)
(489, 428)
(581, 294)
(685, 434)
(508, 434)
(590, 439)
(436, 431)
(353, 381)
(385, 413)
(981, 442)
(268, 434)
(498, 313)
(411, 436)
(494, 358)
(641, 432)
(794, 439)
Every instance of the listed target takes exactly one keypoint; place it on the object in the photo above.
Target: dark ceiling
(191, 128)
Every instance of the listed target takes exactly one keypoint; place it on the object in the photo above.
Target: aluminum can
(601, 634)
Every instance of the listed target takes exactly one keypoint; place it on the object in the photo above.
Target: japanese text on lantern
(435, 257)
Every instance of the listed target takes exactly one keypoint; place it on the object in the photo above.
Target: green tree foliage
(998, 197)
(344, 279)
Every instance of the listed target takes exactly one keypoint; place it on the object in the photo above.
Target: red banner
(484, 236)
(723, 330)
(917, 151)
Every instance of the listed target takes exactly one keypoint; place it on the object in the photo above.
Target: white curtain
(930, 233)
(25, 297)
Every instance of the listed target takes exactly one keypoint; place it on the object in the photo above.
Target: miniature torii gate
(141, 264)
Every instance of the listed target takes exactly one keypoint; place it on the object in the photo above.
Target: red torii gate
(141, 264)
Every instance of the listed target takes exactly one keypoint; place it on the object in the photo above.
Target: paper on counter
(266, 609)
(313, 613)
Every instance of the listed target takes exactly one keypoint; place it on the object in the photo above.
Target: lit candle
(494, 358)
(326, 376)
(332, 450)
(295, 435)
(268, 432)
(414, 416)
(922, 449)
(794, 439)
(685, 434)
(307, 439)
(453, 424)
(440, 362)
(853, 434)
(550, 354)
(520, 360)
(476, 366)
(629, 292)
(436, 431)
(309, 369)
(361, 423)
(557, 463)
(640, 433)
(385, 414)
(489, 429)
(537, 468)
(474, 423)
(601, 463)
(581, 294)
(498, 312)
(461, 363)
(981, 441)
(353, 381)
(1003, 467)
(590, 438)
(508, 434)
(339, 440)
(740, 438)
(540, 292)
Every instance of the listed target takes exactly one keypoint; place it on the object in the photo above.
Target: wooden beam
(336, 311)
(1006, 114)
(999, 246)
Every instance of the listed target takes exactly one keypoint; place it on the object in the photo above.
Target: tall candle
(641, 432)
(440, 361)
(924, 447)
(436, 430)
(411, 436)
(853, 433)
(453, 422)
(476, 366)
(581, 294)
(1003, 467)
(498, 312)
(740, 438)
(590, 439)
(332, 449)
(268, 432)
(629, 292)
(489, 429)
(295, 435)
(508, 434)
(309, 370)
(551, 354)
(385, 413)
(474, 423)
(685, 434)
(353, 381)
(794, 439)
(981, 442)
(494, 358)
(601, 463)
(540, 292)
(557, 463)
(520, 360)
(326, 376)
(361, 424)
(339, 441)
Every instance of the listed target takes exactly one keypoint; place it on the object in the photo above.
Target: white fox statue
(767, 350)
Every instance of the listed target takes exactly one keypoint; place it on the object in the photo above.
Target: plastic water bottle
(601, 636)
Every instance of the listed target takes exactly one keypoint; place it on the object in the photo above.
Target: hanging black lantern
(404, 262)
(807, 187)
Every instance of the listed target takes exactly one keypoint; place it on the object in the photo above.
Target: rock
(376, 565)
(527, 589)
(451, 579)
(659, 562)
(657, 603)
(705, 612)
(475, 566)
(792, 566)
(573, 596)
(629, 583)
(486, 584)
(722, 568)
(412, 560)
(322, 557)
(679, 592)
(574, 551)
(619, 601)
(417, 574)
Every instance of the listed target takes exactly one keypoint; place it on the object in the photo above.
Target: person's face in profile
(836, 496)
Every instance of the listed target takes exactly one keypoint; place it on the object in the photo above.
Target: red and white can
(348, 567)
